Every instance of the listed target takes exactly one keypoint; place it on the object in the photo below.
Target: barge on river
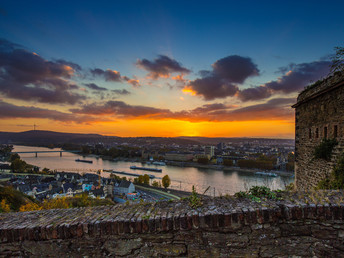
(148, 169)
(84, 160)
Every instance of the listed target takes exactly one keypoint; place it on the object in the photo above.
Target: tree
(203, 161)
(146, 179)
(14, 156)
(337, 60)
(166, 181)
(228, 162)
(18, 165)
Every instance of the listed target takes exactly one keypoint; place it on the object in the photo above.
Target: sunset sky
(162, 68)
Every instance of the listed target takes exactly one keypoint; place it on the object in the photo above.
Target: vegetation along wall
(303, 224)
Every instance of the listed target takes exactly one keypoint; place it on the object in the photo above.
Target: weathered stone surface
(319, 114)
(122, 247)
(220, 228)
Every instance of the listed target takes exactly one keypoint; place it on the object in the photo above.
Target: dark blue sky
(105, 33)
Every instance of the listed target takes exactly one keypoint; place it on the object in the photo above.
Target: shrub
(257, 193)
(336, 179)
(324, 149)
(194, 200)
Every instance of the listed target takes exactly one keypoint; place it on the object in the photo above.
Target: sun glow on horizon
(164, 128)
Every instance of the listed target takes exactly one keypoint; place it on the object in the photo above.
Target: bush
(156, 184)
(257, 193)
(13, 198)
(324, 149)
(336, 179)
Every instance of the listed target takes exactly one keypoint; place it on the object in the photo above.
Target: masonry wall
(222, 227)
(319, 114)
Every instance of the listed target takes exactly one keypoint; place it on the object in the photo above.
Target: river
(183, 178)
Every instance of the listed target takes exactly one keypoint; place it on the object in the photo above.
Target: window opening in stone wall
(325, 132)
(317, 133)
(335, 131)
(310, 133)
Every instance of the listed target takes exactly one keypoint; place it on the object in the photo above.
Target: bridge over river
(44, 151)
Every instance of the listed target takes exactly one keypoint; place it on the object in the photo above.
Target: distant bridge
(36, 152)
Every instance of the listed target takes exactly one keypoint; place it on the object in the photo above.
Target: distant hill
(45, 138)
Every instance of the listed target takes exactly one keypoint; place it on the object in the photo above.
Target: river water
(183, 178)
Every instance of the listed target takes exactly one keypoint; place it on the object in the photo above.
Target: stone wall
(319, 109)
(303, 224)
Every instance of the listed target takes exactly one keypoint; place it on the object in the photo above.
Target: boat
(159, 163)
(84, 160)
(148, 169)
(262, 173)
(127, 174)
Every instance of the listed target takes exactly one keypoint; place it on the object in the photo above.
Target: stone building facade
(319, 114)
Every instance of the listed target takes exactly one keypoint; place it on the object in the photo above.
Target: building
(124, 187)
(177, 156)
(319, 114)
(209, 151)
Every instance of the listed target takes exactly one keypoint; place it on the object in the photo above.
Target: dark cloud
(212, 87)
(108, 75)
(134, 82)
(121, 92)
(296, 77)
(255, 93)
(235, 68)
(162, 66)
(120, 109)
(223, 80)
(94, 86)
(10, 111)
(114, 76)
(27, 76)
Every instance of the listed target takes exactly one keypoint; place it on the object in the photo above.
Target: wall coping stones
(220, 214)
(327, 84)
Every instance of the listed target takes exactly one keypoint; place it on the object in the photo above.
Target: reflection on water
(220, 182)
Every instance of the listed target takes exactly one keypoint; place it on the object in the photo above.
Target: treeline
(144, 180)
(114, 152)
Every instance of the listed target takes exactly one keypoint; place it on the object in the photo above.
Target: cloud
(94, 86)
(211, 88)
(119, 109)
(279, 108)
(163, 66)
(294, 80)
(114, 76)
(235, 68)
(134, 82)
(121, 92)
(27, 76)
(10, 111)
(224, 78)
(108, 75)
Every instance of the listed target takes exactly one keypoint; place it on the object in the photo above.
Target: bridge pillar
(60, 153)
(36, 155)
